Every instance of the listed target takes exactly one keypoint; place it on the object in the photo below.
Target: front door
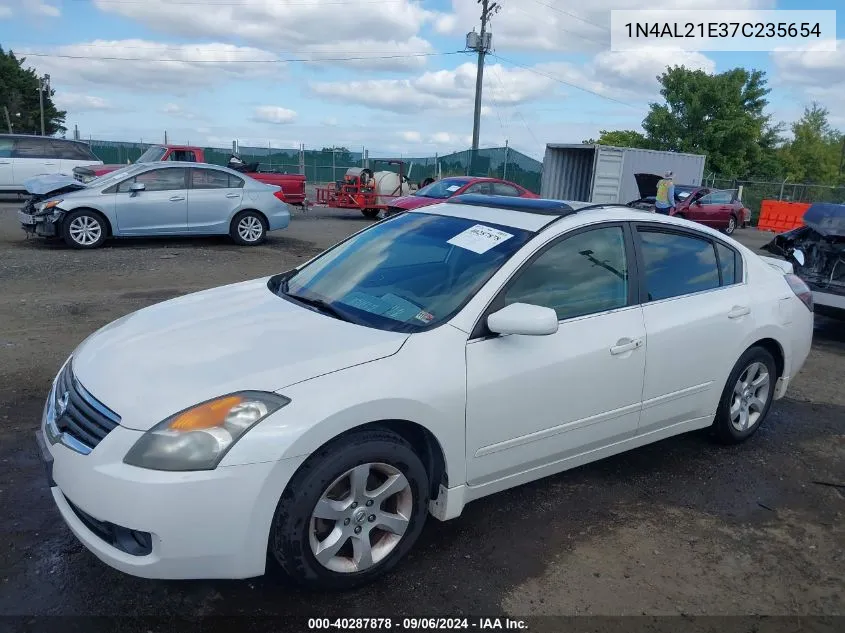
(535, 400)
(160, 209)
(213, 198)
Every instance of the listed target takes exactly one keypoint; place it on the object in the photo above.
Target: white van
(22, 157)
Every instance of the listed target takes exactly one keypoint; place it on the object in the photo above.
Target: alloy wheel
(361, 518)
(85, 230)
(250, 228)
(750, 395)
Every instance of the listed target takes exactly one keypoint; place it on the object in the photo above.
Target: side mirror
(137, 187)
(798, 256)
(523, 318)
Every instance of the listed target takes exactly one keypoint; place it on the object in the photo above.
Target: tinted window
(677, 264)
(728, 263)
(583, 274)
(479, 187)
(209, 179)
(35, 147)
(157, 180)
(6, 146)
(73, 151)
(182, 155)
(235, 182)
(501, 189)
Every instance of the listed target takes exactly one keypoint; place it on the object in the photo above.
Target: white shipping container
(601, 173)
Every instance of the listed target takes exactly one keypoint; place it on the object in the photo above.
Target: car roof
(49, 138)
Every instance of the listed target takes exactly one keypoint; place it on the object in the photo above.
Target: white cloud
(34, 8)
(75, 102)
(816, 74)
(563, 25)
(440, 91)
(314, 29)
(274, 114)
(147, 66)
(410, 136)
(44, 10)
(330, 121)
(5, 12)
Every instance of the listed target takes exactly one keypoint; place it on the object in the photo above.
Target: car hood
(162, 359)
(51, 183)
(647, 184)
(414, 202)
(826, 219)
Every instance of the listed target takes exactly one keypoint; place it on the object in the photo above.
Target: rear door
(161, 209)
(33, 156)
(698, 315)
(213, 197)
(7, 178)
(708, 210)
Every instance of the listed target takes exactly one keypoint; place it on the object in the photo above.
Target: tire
(370, 213)
(731, 227)
(249, 228)
(296, 533)
(84, 229)
(738, 417)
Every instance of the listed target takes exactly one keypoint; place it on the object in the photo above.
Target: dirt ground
(681, 527)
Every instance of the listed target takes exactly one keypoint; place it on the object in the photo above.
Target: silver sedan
(152, 199)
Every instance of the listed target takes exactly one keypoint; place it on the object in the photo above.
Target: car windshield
(406, 274)
(442, 189)
(682, 193)
(152, 155)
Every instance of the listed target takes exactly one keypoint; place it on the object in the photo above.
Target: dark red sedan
(443, 189)
(720, 209)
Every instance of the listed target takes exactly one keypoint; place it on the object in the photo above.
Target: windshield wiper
(319, 304)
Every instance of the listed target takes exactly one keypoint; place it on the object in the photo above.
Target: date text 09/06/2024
(416, 624)
(648, 30)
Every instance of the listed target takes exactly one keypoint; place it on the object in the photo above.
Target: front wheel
(747, 396)
(248, 228)
(731, 227)
(351, 512)
(84, 229)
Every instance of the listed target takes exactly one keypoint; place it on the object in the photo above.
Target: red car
(719, 209)
(444, 189)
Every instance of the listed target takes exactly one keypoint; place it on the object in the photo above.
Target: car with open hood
(154, 199)
(446, 188)
(817, 250)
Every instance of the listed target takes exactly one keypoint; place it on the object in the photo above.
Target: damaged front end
(817, 251)
(42, 214)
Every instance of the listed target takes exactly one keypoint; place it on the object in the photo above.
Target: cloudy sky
(389, 75)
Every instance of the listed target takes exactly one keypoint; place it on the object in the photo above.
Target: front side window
(442, 189)
(677, 264)
(157, 180)
(580, 275)
(722, 197)
(407, 274)
(182, 155)
(6, 146)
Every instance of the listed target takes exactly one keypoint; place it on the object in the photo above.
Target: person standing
(665, 199)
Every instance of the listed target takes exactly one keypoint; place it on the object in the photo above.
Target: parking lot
(684, 526)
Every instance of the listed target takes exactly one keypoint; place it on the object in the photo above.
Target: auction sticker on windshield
(479, 238)
(453, 188)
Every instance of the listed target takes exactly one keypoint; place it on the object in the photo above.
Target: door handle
(49, 163)
(177, 198)
(233, 195)
(738, 311)
(626, 345)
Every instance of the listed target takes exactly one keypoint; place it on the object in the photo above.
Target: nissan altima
(438, 356)
(154, 199)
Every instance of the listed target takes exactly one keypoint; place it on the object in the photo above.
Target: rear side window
(479, 187)
(209, 179)
(729, 264)
(677, 264)
(235, 182)
(182, 155)
(6, 146)
(502, 189)
(72, 151)
(35, 147)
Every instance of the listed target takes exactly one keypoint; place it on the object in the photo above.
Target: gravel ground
(680, 527)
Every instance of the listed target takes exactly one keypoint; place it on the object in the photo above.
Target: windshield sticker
(424, 316)
(390, 305)
(453, 188)
(479, 238)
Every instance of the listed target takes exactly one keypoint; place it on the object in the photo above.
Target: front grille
(79, 414)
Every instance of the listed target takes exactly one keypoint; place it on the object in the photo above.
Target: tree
(19, 93)
(620, 138)
(721, 115)
(814, 154)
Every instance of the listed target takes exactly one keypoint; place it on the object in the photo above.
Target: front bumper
(42, 225)
(199, 525)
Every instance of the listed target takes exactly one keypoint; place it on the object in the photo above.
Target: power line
(579, 35)
(572, 15)
(562, 81)
(240, 61)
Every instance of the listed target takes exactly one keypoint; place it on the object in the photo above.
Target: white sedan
(431, 359)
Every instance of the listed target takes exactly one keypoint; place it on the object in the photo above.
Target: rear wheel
(747, 396)
(248, 228)
(84, 229)
(370, 213)
(351, 512)
(731, 227)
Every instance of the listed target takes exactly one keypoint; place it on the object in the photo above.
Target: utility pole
(480, 43)
(8, 119)
(43, 84)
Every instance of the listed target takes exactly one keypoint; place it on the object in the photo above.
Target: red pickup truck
(293, 185)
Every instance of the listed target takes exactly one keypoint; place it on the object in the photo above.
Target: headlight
(199, 437)
(46, 206)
